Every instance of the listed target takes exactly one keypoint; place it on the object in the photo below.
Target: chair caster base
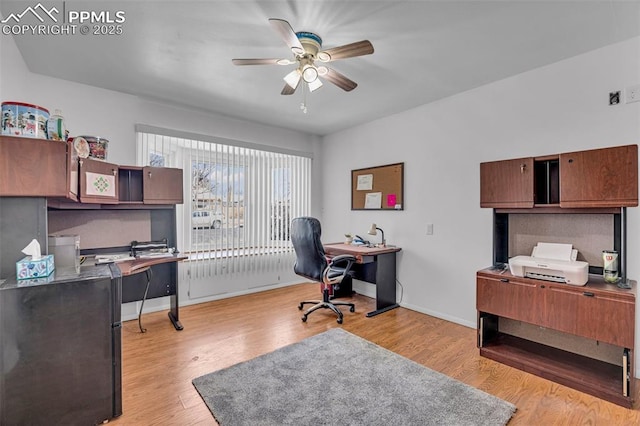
(325, 304)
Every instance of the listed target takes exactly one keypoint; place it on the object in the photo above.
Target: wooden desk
(132, 267)
(375, 265)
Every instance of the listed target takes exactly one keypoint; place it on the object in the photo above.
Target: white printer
(551, 262)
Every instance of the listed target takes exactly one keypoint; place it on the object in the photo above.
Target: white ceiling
(181, 51)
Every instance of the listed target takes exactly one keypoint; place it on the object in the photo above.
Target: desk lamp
(373, 231)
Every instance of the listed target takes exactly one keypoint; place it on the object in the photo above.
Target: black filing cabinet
(60, 348)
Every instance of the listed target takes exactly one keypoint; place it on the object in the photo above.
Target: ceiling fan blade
(289, 36)
(340, 80)
(265, 61)
(288, 90)
(351, 50)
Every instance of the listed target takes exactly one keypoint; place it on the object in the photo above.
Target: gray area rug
(337, 378)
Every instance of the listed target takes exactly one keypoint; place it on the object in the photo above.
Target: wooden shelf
(588, 375)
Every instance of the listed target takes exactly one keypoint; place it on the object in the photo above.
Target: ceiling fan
(307, 49)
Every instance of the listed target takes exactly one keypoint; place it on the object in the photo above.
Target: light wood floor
(158, 366)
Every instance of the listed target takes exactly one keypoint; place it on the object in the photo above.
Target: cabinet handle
(588, 294)
(522, 168)
(114, 171)
(570, 160)
(149, 174)
(504, 280)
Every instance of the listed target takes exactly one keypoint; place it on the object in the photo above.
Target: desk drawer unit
(597, 313)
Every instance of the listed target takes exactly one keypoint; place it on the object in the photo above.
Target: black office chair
(312, 263)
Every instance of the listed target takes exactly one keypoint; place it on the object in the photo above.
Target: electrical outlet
(632, 94)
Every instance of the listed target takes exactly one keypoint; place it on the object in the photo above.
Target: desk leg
(174, 312)
(385, 284)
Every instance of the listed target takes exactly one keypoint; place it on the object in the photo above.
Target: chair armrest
(337, 269)
(341, 258)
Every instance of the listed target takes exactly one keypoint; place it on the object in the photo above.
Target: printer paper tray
(545, 277)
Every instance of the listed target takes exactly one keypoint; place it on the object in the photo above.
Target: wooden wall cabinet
(507, 183)
(150, 185)
(600, 178)
(598, 311)
(162, 185)
(43, 168)
(606, 177)
(98, 181)
(34, 168)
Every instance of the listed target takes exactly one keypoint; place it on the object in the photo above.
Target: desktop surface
(357, 250)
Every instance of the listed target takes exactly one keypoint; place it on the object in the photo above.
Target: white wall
(93, 111)
(557, 108)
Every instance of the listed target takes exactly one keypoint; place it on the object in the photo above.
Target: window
(239, 200)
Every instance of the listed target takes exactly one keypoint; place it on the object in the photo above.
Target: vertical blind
(238, 200)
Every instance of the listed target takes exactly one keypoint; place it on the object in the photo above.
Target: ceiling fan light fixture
(293, 78)
(309, 73)
(324, 56)
(307, 49)
(314, 85)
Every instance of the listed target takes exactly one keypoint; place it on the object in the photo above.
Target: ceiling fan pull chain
(303, 105)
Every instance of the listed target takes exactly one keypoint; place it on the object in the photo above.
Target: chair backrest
(310, 258)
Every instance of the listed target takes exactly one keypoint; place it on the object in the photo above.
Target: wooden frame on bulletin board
(378, 188)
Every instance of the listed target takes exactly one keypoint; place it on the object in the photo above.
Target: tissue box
(28, 268)
(36, 281)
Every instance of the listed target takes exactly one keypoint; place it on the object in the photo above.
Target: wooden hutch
(42, 181)
(579, 336)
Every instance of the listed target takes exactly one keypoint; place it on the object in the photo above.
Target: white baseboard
(130, 310)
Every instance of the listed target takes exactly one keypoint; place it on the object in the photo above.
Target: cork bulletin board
(378, 188)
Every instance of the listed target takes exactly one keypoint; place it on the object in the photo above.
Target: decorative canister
(610, 266)
(97, 147)
(27, 120)
(56, 129)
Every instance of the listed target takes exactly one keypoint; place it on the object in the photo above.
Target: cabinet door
(162, 185)
(507, 183)
(596, 316)
(510, 298)
(606, 177)
(33, 167)
(98, 182)
(64, 369)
